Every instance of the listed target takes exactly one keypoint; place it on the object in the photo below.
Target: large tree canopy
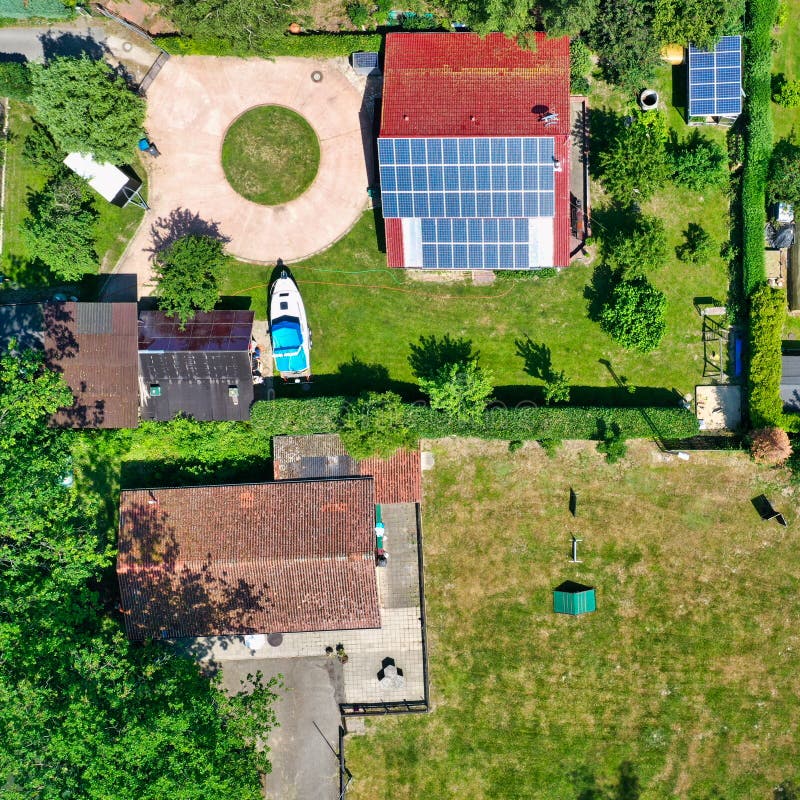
(188, 274)
(84, 713)
(60, 229)
(87, 108)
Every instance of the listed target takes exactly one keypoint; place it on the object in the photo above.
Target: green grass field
(114, 227)
(685, 679)
(270, 155)
(358, 308)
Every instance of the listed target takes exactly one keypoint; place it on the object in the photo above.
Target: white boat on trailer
(289, 331)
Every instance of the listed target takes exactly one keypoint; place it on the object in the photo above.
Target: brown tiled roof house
(279, 557)
(93, 345)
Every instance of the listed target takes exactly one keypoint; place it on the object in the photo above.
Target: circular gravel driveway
(190, 106)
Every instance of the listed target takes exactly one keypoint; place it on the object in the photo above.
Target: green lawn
(359, 309)
(786, 61)
(687, 676)
(114, 228)
(270, 155)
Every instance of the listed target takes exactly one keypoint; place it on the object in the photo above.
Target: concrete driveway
(192, 103)
(304, 767)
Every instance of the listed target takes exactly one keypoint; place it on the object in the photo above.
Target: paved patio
(190, 106)
(399, 637)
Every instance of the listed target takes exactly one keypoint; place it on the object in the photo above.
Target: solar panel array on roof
(215, 331)
(715, 79)
(487, 177)
(472, 197)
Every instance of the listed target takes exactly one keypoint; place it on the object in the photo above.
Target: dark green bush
(580, 66)
(698, 162)
(40, 149)
(375, 424)
(612, 442)
(358, 13)
(635, 251)
(324, 415)
(633, 314)
(15, 80)
(767, 314)
(311, 45)
(783, 176)
(758, 140)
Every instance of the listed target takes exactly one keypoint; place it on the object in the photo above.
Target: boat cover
(287, 346)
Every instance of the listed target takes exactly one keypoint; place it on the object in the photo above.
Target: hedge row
(316, 415)
(760, 18)
(312, 45)
(767, 313)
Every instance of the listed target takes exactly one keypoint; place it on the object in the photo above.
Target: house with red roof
(474, 151)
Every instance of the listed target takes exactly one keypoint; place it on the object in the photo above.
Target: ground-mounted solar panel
(715, 79)
(473, 177)
(365, 63)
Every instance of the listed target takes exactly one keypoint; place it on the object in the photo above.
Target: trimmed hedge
(315, 415)
(311, 45)
(767, 313)
(760, 18)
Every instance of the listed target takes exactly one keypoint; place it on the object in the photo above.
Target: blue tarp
(287, 341)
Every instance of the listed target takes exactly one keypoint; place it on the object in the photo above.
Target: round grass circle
(270, 155)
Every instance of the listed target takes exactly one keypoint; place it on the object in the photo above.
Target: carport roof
(278, 557)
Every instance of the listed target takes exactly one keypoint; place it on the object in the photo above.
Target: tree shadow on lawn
(627, 786)
(432, 353)
(181, 222)
(512, 396)
(537, 357)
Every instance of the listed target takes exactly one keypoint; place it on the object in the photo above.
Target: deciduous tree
(188, 274)
(87, 108)
(634, 314)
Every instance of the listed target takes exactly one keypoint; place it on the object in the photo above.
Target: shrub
(550, 446)
(358, 14)
(758, 139)
(460, 390)
(698, 247)
(634, 164)
(697, 162)
(15, 80)
(770, 446)
(612, 443)
(375, 424)
(325, 415)
(767, 314)
(580, 65)
(634, 314)
(783, 175)
(556, 388)
(635, 251)
(786, 92)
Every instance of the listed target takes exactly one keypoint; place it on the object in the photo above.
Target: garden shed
(574, 598)
(113, 184)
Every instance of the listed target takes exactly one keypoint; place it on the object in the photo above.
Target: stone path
(192, 103)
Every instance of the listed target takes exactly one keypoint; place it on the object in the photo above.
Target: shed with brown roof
(93, 345)
(323, 455)
(279, 557)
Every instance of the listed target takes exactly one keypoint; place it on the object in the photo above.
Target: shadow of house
(203, 369)
(93, 346)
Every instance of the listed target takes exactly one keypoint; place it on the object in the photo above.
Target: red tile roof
(394, 242)
(252, 558)
(459, 84)
(322, 455)
(398, 479)
(93, 345)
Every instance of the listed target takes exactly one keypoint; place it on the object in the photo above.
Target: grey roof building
(203, 370)
(790, 380)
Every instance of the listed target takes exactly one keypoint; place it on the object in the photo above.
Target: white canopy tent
(110, 182)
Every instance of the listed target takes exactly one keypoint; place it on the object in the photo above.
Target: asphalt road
(39, 44)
